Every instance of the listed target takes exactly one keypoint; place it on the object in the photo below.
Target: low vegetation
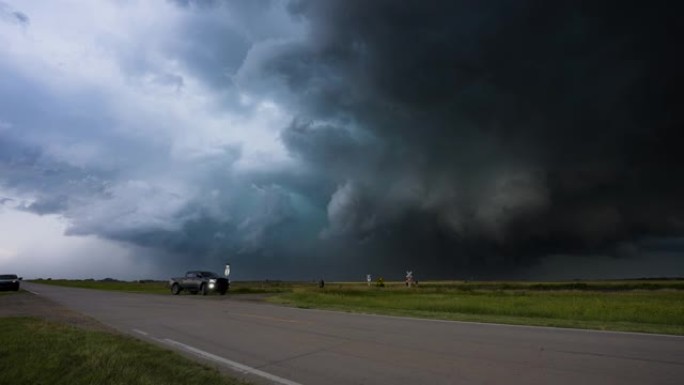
(35, 351)
(655, 305)
(145, 286)
(656, 311)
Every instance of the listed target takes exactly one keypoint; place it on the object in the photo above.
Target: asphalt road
(273, 344)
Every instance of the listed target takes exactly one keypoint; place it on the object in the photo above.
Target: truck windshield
(208, 274)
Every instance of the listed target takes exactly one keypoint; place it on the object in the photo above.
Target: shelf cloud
(300, 139)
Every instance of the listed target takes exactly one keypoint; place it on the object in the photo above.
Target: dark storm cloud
(456, 139)
(501, 132)
(51, 185)
(217, 35)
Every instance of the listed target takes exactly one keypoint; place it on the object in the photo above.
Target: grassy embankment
(655, 306)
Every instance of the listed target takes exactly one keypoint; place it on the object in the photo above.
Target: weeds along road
(273, 344)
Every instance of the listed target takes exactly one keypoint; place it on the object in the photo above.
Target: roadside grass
(657, 309)
(150, 287)
(467, 286)
(34, 351)
(266, 287)
(608, 285)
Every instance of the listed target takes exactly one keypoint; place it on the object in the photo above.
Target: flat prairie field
(639, 306)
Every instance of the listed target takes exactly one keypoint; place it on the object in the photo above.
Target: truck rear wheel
(175, 289)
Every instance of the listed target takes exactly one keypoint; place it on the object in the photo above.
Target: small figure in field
(381, 282)
(409, 278)
(321, 284)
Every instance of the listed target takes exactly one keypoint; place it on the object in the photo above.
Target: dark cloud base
(568, 112)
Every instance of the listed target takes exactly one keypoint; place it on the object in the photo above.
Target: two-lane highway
(297, 346)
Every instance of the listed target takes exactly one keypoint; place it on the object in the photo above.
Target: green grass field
(655, 306)
(34, 351)
(655, 311)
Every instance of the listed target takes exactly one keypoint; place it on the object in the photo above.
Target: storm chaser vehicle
(9, 282)
(199, 282)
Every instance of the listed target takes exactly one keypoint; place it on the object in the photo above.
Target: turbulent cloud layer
(332, 138)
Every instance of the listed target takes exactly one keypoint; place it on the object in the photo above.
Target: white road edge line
(140, 332)
(32, 292)
(231, 364)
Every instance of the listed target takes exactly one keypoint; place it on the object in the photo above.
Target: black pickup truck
(9, 282)
(199, 282)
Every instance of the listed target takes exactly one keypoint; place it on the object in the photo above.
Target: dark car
(9, 282)
(199, 282)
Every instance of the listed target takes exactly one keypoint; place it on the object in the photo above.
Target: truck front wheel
(175, 289)
(203, 289)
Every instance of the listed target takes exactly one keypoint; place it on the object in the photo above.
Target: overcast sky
(334, 138)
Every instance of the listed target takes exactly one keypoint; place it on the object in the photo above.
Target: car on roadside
(9, 282)
(199, 282)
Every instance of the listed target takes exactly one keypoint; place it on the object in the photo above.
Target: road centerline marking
(231, 364)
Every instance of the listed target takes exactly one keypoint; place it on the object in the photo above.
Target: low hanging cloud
(10, 15)
(338, 137)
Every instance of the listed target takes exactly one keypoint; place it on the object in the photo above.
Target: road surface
(280, 345)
